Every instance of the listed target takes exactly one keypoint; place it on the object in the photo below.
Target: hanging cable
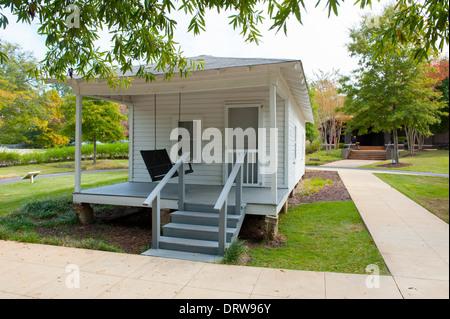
(179, 109)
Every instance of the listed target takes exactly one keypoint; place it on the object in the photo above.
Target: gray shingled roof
(214, 63)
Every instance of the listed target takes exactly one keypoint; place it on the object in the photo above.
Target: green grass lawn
(14, 195)
(328, 236)
(428, 191)
(322, 157)
(425, 161)
(61, 167)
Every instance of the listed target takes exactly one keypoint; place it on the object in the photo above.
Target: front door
(245, 117)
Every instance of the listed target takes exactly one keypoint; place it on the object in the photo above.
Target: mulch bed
(336, 192)
(129, 229)
(398, 165)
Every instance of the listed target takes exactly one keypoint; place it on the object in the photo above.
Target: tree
(329, 102)
(421, 24)
(101, 120)
(312, 129)
(49, 134)
(438, 70)
(391, 93)
(20, 111)
(142, 31)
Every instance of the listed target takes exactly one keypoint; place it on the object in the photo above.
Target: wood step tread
(203, 214)
(189, 242)
(195, 227)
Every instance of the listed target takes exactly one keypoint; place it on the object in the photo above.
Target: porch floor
(197, 194)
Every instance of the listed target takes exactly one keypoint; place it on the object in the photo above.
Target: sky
(320, 42)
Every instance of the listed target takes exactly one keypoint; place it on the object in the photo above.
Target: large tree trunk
(410, 137)
(421, 141)
(395, 159)
(338, 137)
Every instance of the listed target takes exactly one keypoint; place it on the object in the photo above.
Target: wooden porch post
(273, 155)
(78, 118)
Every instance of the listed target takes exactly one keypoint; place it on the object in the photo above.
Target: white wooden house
(227, 93)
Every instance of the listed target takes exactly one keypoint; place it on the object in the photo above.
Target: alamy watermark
(73, 277)
(372, 21)
(262, 141)
(373, 276)
(73, 20)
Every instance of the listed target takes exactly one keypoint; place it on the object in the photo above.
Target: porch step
(189, 245)
(202, 218)
(208, 208)
(191, 231)
(176, 254)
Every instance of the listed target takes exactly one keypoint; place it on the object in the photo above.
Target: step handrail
(221, 204)
(155, 196)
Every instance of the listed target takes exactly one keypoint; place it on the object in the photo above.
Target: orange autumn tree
(438, 70)
(329, 101)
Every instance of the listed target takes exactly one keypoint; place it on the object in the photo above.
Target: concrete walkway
(40, 271)
(356, 164)
(413, 242)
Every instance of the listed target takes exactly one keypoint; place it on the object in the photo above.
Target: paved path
(356, 164)
(413, 242)
(40, 271)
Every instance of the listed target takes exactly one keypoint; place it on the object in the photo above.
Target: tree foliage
(388, 94)
(423, 24)
(438, 70)
(142, 32)
(101, 120)
(19, 109)
(329, 103)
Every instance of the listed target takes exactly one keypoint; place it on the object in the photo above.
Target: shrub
(314, 146)
(46, 212)
(313, 185)
(235, 252)
(65, 153)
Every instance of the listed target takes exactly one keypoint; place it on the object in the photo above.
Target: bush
(311, 186)
(235, 252)
(46, 212)
(66, 153)
(314, 146)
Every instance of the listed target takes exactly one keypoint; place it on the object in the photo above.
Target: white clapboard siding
(296, 164)
(280, 152)
(209, 107)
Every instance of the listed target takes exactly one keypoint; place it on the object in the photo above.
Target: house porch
(257, 199)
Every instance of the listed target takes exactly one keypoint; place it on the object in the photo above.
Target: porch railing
(222, 201)
(155, 196)
(250, 168)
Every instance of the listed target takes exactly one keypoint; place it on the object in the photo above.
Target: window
(295, 143)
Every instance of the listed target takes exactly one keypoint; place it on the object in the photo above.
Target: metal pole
(156, 222)
(181, 187)
(223, 228)
(239, 191)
